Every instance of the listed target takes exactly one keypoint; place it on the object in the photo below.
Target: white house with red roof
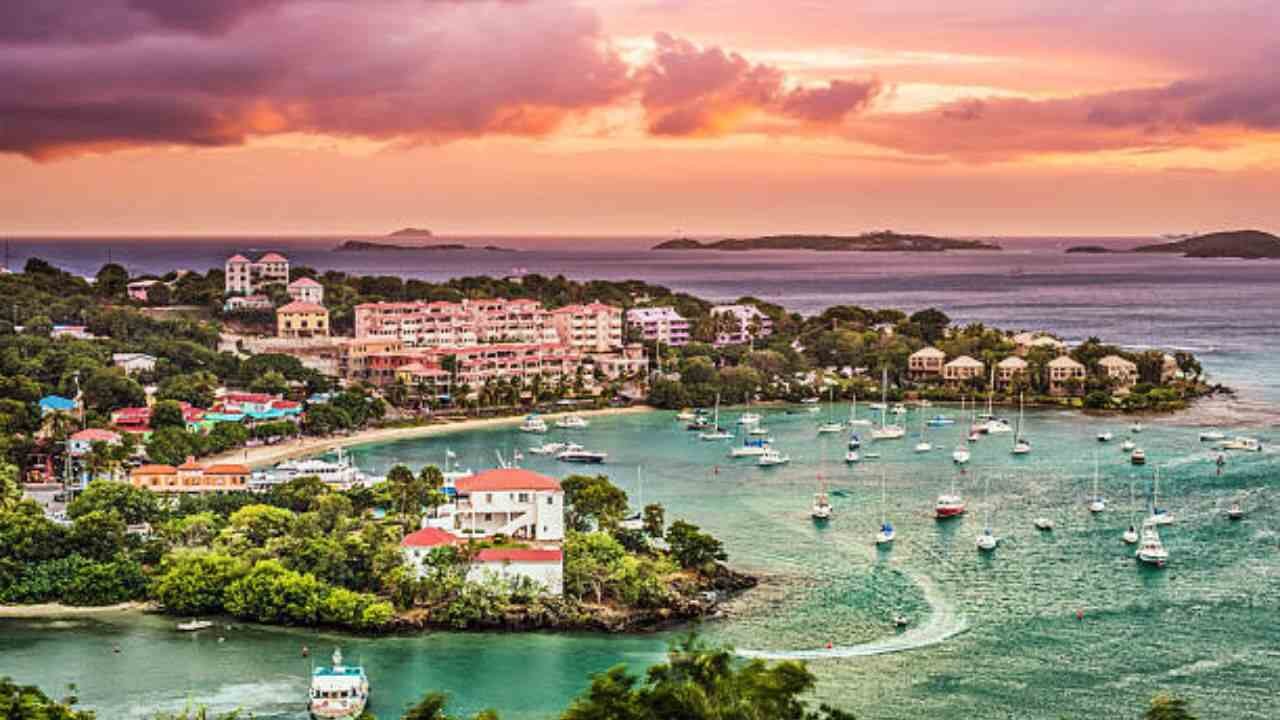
(81, 443)
(543, 565)
(514, 502)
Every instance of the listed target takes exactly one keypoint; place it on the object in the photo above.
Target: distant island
(1091, 249)
(1249, 244)
(1229, 244)
(411, 232)
(886, 241)
(369, 245)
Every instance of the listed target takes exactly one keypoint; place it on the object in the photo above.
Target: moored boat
(581, 456)
(771, 457)
(571, 422)
(338, 692)
(534, 424)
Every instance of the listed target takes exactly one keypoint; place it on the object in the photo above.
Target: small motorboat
(821, 509)
(830, 427)
(1022, 447)
(194, 625)
(749, 448)
(855, 442)
(715, 434)
(1128, 446)
(1212, 436)
(1044, 523)
(1136, 427)
(811, 401)
(948, 506)
(550, 448)
(748, 418)
(899, 409)
(585, 457)
(1152, 550)
(771, 458)
(922, 447)
(1138, 457)
(1105, 437)
(996, 426)
(961, 455)
(1130, 536)
(900, 621)
(852, 457)
(1245, 444)
(987, 540)
(686, 415)
(571, 422)
(1234, 512)
(757, 430)
(975, 436)
(534, 424)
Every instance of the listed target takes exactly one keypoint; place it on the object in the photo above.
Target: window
(488, 498)
(523, 497)
(550, 500)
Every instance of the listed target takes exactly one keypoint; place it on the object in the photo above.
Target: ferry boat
(571, 422)
(340, 474)
(1247, 444)
(338, 692)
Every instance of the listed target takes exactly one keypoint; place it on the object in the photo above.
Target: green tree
(167, 414)
(592, 501)
(408, 494)
(107, 389)
(111, 281)
(26, 702)
(134, 505)
(170, 446)
(691, 547)
(198, 388)
(271, 382)
(431, 707)
(654, 519)
(260, 523)
(194, 582)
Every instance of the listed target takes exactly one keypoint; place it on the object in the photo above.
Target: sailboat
(987, 540)
(886, 533)
(949, 504)
(923, 446)
(748, 417)
(886, 431)
(716, 432)
(635, 521)
(994, 424)
(1021, 446)
(1097, 503)
(831, 425)
(1159, 516)
(821, 509)
(1130, 536)
(854, 420)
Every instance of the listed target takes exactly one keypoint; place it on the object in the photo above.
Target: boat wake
(943, 624)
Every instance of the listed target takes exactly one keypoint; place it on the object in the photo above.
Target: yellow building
(302, 320)
(191, 477)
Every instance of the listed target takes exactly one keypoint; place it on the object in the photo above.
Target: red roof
(493, 555)
(298, 306)
(272, 257)
(506, 479)
(237, 259)
(237, 397)
(304, 282)
(227, 470)
(96, 434)
(429, 537)
(285, 404)
(190, 464)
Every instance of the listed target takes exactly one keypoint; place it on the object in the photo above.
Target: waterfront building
(246, 277)
(301, 319)
(659, 324)
(1009, 369)
(594, 327)
(962, 369)
(1066, 375)
(354, 354)
(512, 502)
(925, 363)
(749, 323)
(191, 477)
(1123, 372)
(543, 565)
(474, 365)
(306, 290)
(134, 362)
(448, 324)
(429, 380)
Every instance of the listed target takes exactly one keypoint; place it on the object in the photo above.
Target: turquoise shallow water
(992, 635)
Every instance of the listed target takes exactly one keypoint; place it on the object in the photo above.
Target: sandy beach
(56, 610)
(267, 455)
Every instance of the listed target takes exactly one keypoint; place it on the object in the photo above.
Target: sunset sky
(639, 116)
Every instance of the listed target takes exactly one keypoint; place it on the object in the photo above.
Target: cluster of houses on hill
(1064, 375)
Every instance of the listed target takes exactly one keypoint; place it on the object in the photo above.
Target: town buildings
(247, 277)
(1010, 369)
(1123, 372)
(962, 369)
(749, 323)
(306, 290)
(301, 319)
(595, 327)
(246, 303)
(447, 324)
(133, 363)
(659, 324)
(1066, 375)
(542, 565)
(81, 443)
(191, 477)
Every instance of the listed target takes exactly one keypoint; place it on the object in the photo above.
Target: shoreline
(257, 458)
(57, 611)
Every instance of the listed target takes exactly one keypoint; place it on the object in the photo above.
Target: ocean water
(993, 635)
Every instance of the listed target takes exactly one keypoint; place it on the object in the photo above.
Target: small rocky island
(373, 245)
(1247, 244)
(884, 241)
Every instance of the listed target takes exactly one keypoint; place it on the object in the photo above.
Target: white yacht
(534, 424)
(757, 430)
(899, 409)
(924, 445)
(1021, 445)
(771, 457)
(686, 415)
(961, 455)
(195, 624)
(749, 448)
(585, 457)
(854, 420)
(338, 692)
(1130, 536)
(1138, 456)
(551, 448)
(1136, 427)
(571, 422)
(1128, 446)
(831, 425)
(1105, 436)
(996, 426)
(1159, 515)
(1212, 436)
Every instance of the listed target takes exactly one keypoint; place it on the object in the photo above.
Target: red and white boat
(949, 504)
